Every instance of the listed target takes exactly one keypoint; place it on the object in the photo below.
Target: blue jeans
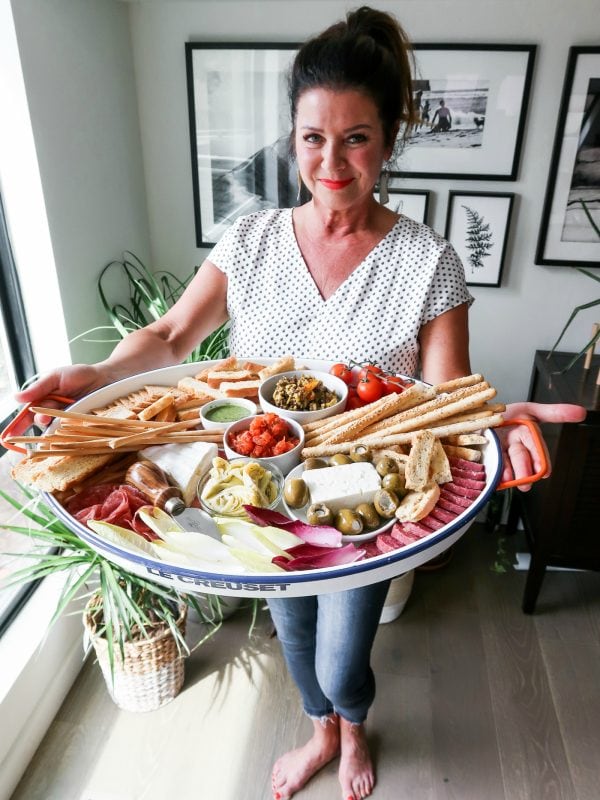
(327, 643)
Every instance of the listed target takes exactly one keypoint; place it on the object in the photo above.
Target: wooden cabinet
(561, 515)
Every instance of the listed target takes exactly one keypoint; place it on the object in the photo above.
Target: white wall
(82, 92)
(78, 71)
(508, 324)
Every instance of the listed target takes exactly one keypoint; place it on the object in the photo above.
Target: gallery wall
(94, 220)
(508, 323)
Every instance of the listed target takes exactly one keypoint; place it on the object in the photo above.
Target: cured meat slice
(417, 529)
(447, 505)
(469, 466)
(94, 495)
(464, 473)
(371, 549)
(386, 543)
(463, 491)
(457, 499)
(468, 483)
(402, 535)
(443, 514)
(432, 523)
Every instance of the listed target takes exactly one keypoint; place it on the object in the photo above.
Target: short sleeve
(223, 254)
(448, 287)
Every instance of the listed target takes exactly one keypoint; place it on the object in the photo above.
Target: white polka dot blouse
(410, 277)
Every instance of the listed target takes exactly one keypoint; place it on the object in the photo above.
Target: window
(16, 365)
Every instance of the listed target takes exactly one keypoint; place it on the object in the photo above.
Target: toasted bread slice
(416, 505)
(284, 364)
(439, 470)
(240, 388)
(216, 378)
(200, 388)
(419, 459)
(57, 474)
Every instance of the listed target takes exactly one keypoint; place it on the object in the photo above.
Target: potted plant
(136, 627)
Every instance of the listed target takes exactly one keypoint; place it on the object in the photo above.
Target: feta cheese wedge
(343, 486)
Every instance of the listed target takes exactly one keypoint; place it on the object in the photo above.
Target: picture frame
(413, 203)
(482, 92)
(477, 226)
(567, 236)
(239, 125)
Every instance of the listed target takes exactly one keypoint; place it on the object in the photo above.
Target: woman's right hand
(72, 381)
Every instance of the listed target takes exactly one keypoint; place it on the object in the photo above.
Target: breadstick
(487, 410)
(389, 405)
(329, 423)
(429, 419)
(390, 424)
(458, 383)
(398, 438)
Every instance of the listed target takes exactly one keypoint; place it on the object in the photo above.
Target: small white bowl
(337, 386)
(285, 462)
(249, 408)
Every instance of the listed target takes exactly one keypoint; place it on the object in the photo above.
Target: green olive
(370, 517)
(360, 452)
(295, 492)
(348, 522)
(339, 459)
(394, 482)
(319, 514)
(386, 503)
(385, 465)
(315, 463)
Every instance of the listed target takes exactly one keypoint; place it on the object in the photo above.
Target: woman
(338, 277)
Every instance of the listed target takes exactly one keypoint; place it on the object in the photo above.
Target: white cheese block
(185, 464)
(343, 486)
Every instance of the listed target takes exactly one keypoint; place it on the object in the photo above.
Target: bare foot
(297, 767)
(356, 774)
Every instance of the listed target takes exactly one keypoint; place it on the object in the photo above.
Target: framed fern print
(477, 225)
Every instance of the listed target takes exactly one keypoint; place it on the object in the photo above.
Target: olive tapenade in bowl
(303, 395)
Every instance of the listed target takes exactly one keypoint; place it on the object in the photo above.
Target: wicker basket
(152, 672)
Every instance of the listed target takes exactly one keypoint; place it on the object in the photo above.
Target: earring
(384, 196)
(299, 186)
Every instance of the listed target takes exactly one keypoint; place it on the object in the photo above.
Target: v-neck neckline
(359, 267)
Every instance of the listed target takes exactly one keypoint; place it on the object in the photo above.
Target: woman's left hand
(518, 450)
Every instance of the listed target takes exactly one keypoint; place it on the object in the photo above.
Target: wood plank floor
(476, 701)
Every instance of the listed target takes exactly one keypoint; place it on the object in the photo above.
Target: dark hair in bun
(368, 52)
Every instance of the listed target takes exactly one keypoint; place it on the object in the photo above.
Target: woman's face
(340, 146)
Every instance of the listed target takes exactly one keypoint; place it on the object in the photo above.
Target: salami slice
(94, 495)
(371, 549)
(463, 491)
(443, 514)
(456, 499)
(469, 466)
(464, 473)
(417, 529)
(386, 543)
(448, 505)
(432, 523)
(468, 483)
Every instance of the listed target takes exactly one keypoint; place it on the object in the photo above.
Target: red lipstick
(335, 184)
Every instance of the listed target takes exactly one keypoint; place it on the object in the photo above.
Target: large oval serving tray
(281, 584)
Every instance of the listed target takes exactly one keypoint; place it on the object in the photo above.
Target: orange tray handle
(540, 450)
(17, 425)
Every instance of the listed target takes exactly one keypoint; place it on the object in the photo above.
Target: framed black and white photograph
(239, 127)
(472, 104)
(477, 226)
(570, 228)
(413, 203)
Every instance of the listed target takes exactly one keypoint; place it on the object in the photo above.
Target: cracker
(419, 460)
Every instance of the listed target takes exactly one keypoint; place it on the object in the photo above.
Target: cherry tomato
(393, 385)
(369, 388)
(343, 372)
(353, 400)
(370, 369)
